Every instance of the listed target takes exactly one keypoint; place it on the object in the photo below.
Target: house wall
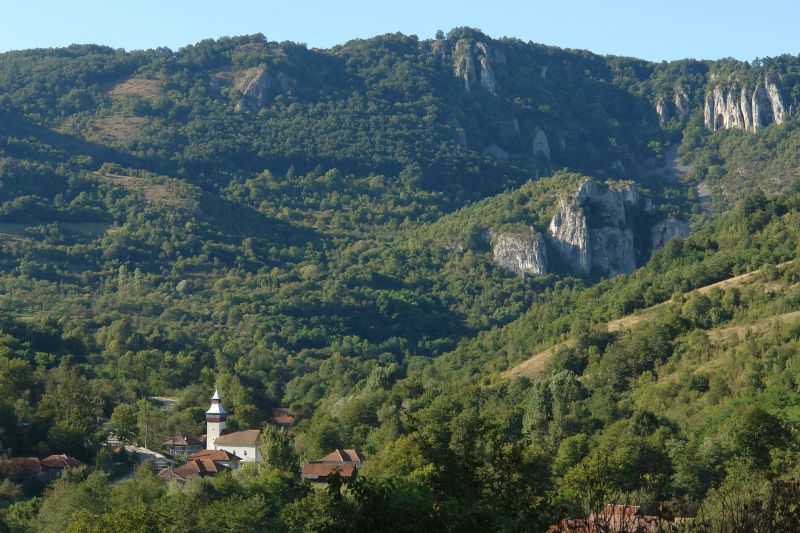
(249, 454)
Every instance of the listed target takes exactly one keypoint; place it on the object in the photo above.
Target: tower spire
(215, 420)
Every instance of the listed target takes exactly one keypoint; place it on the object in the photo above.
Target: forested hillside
(331, 230)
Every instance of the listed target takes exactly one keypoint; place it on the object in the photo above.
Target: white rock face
(678, 107)
(474, 64)
(666, 230)
(521, 254)
(606, 245)
(733, 107)
(540, 144)
(464, 64)
(681, 102)
(662, 111)
(257, 89)
(570, 234)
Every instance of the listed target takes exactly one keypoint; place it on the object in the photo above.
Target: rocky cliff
(540, 145)
(733, 106)
(472, 62)
(601, 242)
(666, 230)
(569, 232)
(260, 86)
(678, 106)
(522, 253)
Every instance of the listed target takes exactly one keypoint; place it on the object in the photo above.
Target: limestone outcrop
(523, 254)
(595, 231)
(677, 107)
(734, 106)
(666, 230)
(601, 242)
(569, 233)
(472, 62)
(540, 145)
(261, 86)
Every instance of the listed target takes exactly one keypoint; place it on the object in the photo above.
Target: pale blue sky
(651, 29)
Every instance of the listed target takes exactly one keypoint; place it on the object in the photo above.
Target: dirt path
(535, 365)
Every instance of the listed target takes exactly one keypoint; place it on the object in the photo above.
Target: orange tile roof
(317, 470)
(25, 465)
(341, 455)
(215, 455)
(281, 416)
(195, 468)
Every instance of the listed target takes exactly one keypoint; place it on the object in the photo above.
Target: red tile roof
(169, 474)
(193, 469)
(318, 470)
(60, 461)
(215, 455)
(281, 416)
(25, 466)
(614, 517)
(340, 455)
(248, 437)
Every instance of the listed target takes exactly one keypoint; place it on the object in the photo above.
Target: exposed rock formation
(735, 107)
(540, 144)
(678, 107)
(603, 244)
(666, 230)
(662, 111)
(570, 235)
(522, 254)
(473, 63)
(681, 102)
(260, 87)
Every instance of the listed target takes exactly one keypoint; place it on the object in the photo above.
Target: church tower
(215, 420)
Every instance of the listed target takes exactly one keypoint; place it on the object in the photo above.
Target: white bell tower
(215, 420)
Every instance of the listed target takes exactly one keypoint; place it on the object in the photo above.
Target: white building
(244, 444)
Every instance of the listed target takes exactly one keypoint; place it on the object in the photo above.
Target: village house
(193, 469)
(343, 456)
(22, 469)
(218, 456)
(281, 417)
(183, 445)
(617, 517)
(53, 466)
(344, 462)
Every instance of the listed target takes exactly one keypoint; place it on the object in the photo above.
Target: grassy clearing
(117, 128)
(535, 365)
(155, 193)
(145, 88)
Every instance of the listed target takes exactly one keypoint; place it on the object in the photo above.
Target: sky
(649, 29)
